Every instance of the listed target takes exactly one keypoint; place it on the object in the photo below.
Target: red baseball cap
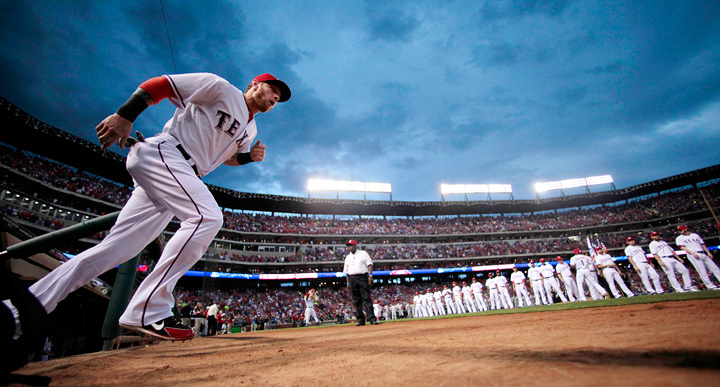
(558, 258)
(682, 228)
(542, 259)
(351, 242)
(577, 251)
(270, 79)
(629, 239)
(652, 234)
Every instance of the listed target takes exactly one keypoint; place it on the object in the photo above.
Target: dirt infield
(670, 343)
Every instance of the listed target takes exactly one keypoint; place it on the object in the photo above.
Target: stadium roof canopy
(28, 133)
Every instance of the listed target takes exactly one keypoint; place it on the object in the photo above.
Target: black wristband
(132, 108)
(244, 158)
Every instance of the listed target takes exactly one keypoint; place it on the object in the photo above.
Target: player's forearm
(136, 104)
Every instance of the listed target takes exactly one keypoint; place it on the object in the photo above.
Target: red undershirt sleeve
(159, 88)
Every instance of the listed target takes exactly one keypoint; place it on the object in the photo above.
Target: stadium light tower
(562, 185)
(348, 186)
(474, 188)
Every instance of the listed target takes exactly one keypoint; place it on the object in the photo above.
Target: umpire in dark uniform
(358, 269)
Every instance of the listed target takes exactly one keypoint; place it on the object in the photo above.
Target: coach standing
(358, 270)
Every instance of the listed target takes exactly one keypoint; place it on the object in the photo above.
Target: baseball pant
(450, 306)
(520, 292)
(166, 186)
(570, 288)
(459, 305)
(439, 306)
(539, 293)
(360, 292)
(673, 266)
(505, 297)
(494, 299)
(702, 264)
(584, 276)
(470, 303)
(612, 277)
(551, 284)
(310, 312)
(482, 306)
(647, 272)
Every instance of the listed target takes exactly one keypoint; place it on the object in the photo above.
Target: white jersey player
(477, 290)
(492, 292)
(536, 279)
(582, 263)
(699, 255)
(672, 263)
(518, 281)
(457, 297)
(430, 303)
(468, 298)
(420, 310)
(611, 273)
(643, 267)
(550, 281)
(502, 285)
(213, 124)
(310, 299)
(449, 303)
(437, 296)
(566, 276)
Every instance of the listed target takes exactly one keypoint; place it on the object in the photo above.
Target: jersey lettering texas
(232, 129)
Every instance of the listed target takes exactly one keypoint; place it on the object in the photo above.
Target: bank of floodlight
(574, 183)
(465, 189)
(348, 186)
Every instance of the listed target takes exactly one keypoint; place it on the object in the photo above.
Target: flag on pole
(593, 245)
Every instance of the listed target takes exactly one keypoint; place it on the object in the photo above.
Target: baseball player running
(550, 281)
(566, 276)
(501, 282)
(643, 267)
(699, 255)
(611, 273)
(447, 297)
(457, 296)
(582, 263)
(477, 292)
(537, 284)
(310, 299)
(518, 281)
(672, 263)
(214, 124)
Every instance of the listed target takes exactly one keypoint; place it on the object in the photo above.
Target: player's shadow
(650, 358)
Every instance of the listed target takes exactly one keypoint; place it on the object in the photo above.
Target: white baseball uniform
(457, 297)
(565, 272)
(518, 279)
(429, 302)
(420, 310)
(645, 269)
(537, 285)
(310, 310)
(477, 287)
(501, 282)
(551, 283)
(437, 295)
(493, 293)
(447, 297)
(702, 263)
(666, 254)
(582, 264)
(612, 276)
(468, 298)
(210, 125)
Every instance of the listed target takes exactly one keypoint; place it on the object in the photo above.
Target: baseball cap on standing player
(629, 239)
(652, 234)
(682, 228)
(558, 258)
(271, 80)
(351, 242)
(577, 251)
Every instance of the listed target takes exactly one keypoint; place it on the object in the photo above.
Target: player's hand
(257, 152)
(710, 255)
(134, 140)
(113, 129)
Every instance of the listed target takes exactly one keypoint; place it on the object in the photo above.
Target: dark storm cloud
(391, 23)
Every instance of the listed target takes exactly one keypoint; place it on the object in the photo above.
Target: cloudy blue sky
(411, 93)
